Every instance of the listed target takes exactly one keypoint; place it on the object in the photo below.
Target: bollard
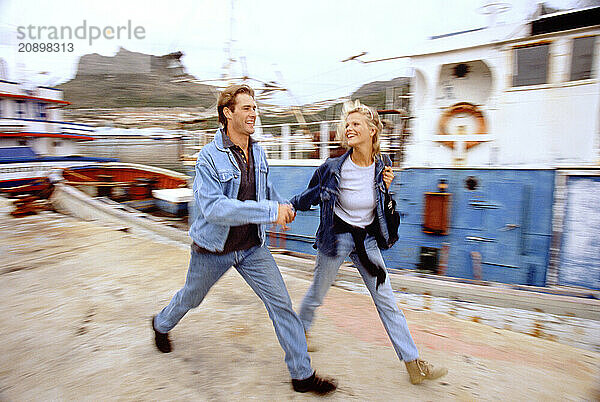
(324, 146)
(443, 265)
(476, 263)
(285, 142)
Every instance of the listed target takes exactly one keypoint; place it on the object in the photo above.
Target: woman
(350, 190)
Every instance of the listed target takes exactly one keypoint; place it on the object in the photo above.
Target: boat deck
(78, 297)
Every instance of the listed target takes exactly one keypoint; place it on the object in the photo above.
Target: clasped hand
(285, 215)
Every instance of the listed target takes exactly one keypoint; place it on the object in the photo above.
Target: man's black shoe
(315, 384)
(161, 340)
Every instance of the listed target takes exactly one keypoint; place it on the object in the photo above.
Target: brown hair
(227, 100)
(373, 121)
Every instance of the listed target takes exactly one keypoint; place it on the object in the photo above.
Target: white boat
(173, 201)
(34, 139)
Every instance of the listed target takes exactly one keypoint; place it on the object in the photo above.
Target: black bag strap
(386, 162)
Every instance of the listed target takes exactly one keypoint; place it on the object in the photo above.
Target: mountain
(131, 79)
(132, 89)
(379, 87)
(374, 94)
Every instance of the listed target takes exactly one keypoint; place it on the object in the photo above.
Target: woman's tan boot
(419, 370)
(310, 343)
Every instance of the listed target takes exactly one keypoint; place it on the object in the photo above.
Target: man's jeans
(259, 270)
(326, 268)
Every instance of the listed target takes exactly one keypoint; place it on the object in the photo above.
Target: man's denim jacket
(323, 189)
(216, 188)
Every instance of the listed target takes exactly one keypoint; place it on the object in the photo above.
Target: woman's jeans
(259, 270)
(326, 268)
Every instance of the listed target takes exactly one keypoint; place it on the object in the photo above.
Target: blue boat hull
(499, 229)
(507, 219)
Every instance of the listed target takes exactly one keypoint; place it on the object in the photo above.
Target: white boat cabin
(33, 118)
(509, 95)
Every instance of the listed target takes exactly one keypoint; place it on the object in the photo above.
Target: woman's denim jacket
(216, 187)
(323, 189)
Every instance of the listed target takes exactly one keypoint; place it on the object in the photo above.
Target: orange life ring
(462, 107)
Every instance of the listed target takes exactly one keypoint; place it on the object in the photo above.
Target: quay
(78, 297)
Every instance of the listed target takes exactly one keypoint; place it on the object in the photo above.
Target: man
(235, 202)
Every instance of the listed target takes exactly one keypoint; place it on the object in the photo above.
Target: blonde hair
(370, 115)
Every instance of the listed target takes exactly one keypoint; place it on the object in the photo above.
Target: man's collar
(227, 143)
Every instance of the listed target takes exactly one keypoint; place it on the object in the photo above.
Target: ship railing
(294, 141)
(76, 128)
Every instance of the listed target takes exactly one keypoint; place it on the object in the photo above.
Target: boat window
(21, 109)
(42, 110)
(582, 58)
(531, 65)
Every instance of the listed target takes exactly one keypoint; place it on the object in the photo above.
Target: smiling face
(241, 116)
(359, 133)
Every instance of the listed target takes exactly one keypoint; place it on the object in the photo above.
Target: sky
(300, 44)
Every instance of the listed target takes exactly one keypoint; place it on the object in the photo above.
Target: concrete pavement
(77, 299)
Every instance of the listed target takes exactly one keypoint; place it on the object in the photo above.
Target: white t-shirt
(356, 201)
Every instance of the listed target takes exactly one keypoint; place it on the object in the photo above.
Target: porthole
(461, 70)
(471, 183)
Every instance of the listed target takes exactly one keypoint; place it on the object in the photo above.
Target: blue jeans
(326, 268)
(259, 270)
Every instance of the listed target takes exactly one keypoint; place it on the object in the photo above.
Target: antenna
(229, 60)
(263, 90)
